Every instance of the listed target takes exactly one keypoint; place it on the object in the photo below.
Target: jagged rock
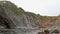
(14, 17)
(5, 19)
(17, 17)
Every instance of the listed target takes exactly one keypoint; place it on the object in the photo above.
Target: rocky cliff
(17, 17)
(13, 17)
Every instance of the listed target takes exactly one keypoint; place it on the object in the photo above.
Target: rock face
(13, 17)
(17, 17)
(51, 21)
(5, 21)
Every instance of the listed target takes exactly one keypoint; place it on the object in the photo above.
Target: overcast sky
(42, 7)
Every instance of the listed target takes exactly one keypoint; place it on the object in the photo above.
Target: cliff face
(51, 21)
(5, 21)
(17, 16)
(13, 17)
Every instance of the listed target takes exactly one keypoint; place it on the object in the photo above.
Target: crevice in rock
(4, 22)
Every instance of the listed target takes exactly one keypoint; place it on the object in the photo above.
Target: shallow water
(17, 31)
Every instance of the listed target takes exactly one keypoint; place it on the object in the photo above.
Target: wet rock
(46, 31)
(55, 31)
(40, 33)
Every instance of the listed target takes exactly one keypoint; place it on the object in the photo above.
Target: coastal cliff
(13, 17)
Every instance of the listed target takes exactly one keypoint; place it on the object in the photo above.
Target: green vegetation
(10, 6)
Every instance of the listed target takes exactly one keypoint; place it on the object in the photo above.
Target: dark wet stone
(40, 33)
(56, 31)
(46, 31)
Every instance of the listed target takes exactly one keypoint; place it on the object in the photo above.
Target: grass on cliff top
(12, 7)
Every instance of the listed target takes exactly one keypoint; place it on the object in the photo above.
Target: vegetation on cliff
(19, 17)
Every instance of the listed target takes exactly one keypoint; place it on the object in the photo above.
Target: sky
(42, 7)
